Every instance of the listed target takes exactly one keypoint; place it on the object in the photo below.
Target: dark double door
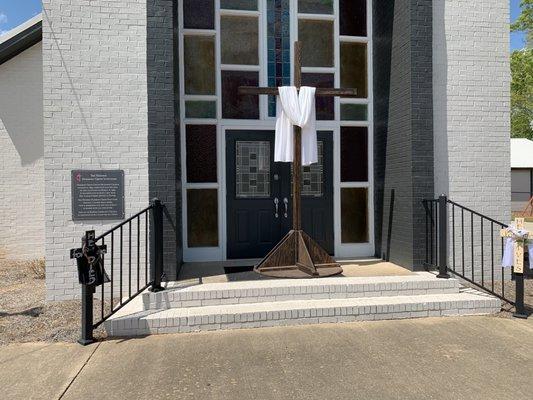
(259, 202)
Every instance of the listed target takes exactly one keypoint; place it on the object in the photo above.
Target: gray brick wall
(163, 134)
(21, 156)
(95, 115)
(403, 142)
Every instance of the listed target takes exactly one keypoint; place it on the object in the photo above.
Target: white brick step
(179, 295)
(296, 312)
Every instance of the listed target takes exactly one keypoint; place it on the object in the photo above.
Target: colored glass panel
(199, 63)
(354, 68)
(235, 105)
(354, 112)
(325, 106)
(239, 40)
(352, 17)
(202, 217)
(315, 6)
(354, 215)
(252, 169)
(317, 43)
(279, 47)
(239, 4)
(200, 109)
(199, 14)
(201, 146)
(354, 154)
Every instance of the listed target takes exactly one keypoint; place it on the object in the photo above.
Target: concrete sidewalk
(447, 358)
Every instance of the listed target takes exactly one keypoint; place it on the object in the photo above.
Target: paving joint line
(79, 372)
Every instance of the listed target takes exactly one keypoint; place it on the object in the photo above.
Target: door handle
(276, 202)
(286, 201)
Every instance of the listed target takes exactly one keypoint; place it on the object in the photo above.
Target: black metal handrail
(468, 244)
(127, 245)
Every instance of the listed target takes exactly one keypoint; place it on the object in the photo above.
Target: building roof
(521, 153)
(21, 38)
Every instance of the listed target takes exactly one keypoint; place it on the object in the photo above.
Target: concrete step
(183, 295)
(296, 312)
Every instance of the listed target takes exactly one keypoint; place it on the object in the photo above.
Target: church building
(150, 88)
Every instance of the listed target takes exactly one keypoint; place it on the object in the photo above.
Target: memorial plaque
(97, 195)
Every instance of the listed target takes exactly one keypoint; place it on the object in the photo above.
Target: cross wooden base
(298, 256)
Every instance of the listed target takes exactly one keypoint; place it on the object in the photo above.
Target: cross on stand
(518, 266)
(297, 255)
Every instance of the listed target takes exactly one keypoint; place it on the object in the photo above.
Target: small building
(521, 173)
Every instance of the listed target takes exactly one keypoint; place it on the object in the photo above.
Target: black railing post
(86, 315)
(158, 246)
(443, 238)
(520, 310)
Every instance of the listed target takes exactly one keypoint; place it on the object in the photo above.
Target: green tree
(522, 76)
(522, 94)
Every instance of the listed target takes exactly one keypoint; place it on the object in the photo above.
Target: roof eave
(20, 42)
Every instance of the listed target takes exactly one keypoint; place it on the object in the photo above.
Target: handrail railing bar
(463, 237)
(146, 248)
(492, 253)
(112, 265)
(138, 254)
(482, 255)
(453, 235)
(472, 244)
(121, 305)
(124, 222)
(102, 300)
(121, 260)
(129, 259)
(501, 297)
(503, 272)
(478, 214)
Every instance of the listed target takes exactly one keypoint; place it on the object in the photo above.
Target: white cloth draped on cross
(510, 242)
(298, 109)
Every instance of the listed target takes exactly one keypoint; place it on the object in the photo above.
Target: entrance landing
(217, 272)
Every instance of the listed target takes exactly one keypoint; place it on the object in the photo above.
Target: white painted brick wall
(95, 115)
(471, 81)
(21, 156)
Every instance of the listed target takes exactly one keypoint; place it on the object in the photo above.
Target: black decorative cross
(297, 255)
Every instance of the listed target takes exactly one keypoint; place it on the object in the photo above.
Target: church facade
(150, 87)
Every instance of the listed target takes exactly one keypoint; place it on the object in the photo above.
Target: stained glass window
(252, 169)
(354, 67)
(352, 17)
(317, 43)
(199, 14)
(313, 176)
(201, 144)
(239, 4)
(354, 154)
(235, 105)
(201, 109)
(239, 40)
(354, 112)
(354, 215)
(199, 59)
(315, 6)
(202, 217)
(325, 106)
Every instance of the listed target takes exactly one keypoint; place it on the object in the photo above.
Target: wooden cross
(518, 265)
(297, 255)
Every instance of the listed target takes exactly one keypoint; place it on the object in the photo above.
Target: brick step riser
(176, 299)
(301, 316)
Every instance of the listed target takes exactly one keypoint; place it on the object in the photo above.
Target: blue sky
(15, 12)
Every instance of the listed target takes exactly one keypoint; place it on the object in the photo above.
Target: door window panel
(202, 217)
(201, 146)
(354, 215)
(199, 65)
(317, 43)
(240, 40)
(352, 17)
(199, 14)
(235, 105)
(252, 160)
(354, 154)
(354, 67)
(315, 6)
